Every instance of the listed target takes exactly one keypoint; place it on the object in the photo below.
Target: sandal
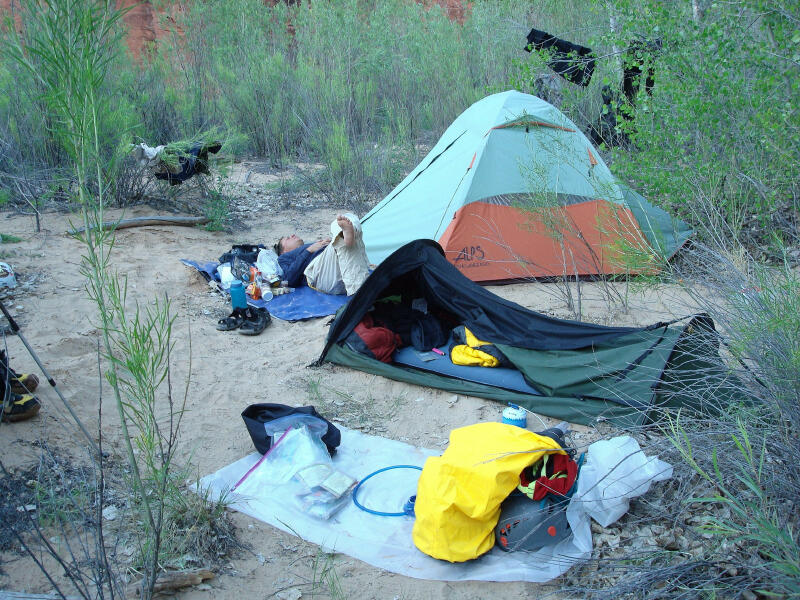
(232, 321)
(255, 323)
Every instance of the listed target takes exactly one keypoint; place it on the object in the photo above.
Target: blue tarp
(303, 303)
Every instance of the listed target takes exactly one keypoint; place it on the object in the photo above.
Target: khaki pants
(340, 269)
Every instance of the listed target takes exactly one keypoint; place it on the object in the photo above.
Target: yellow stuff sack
(464, 355)
(459, 493)
(474, 352)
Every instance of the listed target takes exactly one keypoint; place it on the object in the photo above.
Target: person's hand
(318, 245)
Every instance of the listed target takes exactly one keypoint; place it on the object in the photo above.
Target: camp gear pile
(303, 303)
(176, 163)
(518, 501)
(460, 492)
(613, 472)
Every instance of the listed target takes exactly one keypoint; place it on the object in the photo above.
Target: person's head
(287, 244)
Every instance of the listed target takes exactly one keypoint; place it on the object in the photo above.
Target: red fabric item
(545, 485)
(381, 341)
(557, 464)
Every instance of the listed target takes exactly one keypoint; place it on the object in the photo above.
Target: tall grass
(68, 48)
(730, 515)
(355, 86)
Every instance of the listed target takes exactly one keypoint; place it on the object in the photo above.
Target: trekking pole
(15, 328)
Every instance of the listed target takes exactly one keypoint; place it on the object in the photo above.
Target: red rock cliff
(146, 24)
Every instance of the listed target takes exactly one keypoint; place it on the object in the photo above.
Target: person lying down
(333, 265)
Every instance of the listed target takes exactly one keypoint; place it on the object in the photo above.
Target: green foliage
(217, 202)
(72, 65)
(720, 121)
(765, 321)
(747, 453)
(325, 579)
(216, 209)
(196, 525)
(57, 503)
(7, 238)
(352, 86)
(45, 122)
(755, 520)
(25, 125)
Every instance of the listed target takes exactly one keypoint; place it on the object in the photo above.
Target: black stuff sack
(427, 333)
(246, 252)
(256, 415)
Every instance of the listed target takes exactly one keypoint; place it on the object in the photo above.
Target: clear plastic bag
(267, 263)
(322, 504)
(299, 466)
(292, 450)
(321, 490)
(296, 449)
(275, 428)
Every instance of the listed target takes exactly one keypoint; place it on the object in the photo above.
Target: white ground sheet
(614, 471)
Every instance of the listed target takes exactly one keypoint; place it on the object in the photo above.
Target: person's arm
(295, 261)
(293, 264)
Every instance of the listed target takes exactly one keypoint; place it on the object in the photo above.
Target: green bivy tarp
(581, 371)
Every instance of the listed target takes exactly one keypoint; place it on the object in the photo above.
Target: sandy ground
(229, 371)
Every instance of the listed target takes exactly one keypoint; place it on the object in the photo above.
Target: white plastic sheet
(614, 471)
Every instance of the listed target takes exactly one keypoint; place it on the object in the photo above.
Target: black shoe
(19, 408)
(24, 383)
(232, 321)
(255, 322)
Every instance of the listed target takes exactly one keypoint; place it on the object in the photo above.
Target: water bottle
(238, 298)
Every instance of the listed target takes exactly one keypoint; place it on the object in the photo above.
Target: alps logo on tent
(469, 254)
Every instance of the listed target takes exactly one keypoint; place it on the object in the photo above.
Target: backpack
(533, 517)
(256, 415)
(246, 252)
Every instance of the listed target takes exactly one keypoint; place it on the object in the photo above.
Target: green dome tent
(514, 190)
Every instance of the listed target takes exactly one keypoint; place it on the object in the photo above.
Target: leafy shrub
(719, 119)
(348, 78)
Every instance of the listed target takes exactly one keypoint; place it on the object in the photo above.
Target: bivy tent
(568, 370)
(514, 190)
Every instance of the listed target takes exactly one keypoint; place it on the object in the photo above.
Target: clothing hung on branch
(573, 62)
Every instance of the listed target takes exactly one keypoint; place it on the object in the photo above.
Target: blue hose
(378, 512)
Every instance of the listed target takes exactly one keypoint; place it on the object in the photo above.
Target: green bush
(721, 120)
(749, 456)
(355, 86)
